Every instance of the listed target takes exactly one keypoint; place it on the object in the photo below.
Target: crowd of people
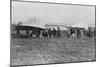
(71, 32)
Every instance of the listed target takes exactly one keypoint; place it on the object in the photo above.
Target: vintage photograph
(51, 33)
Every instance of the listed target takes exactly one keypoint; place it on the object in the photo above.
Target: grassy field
(51, 50)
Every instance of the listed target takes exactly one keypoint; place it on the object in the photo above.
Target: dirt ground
(32, 51)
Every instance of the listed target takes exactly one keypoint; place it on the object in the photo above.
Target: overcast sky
(52, 13)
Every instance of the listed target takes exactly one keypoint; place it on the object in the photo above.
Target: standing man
(58, 32)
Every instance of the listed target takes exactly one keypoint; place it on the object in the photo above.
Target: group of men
(52, 32)
(70, 33)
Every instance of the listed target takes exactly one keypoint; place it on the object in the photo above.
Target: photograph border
(50, 3)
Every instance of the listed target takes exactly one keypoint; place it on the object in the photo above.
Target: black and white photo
(52, 33)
